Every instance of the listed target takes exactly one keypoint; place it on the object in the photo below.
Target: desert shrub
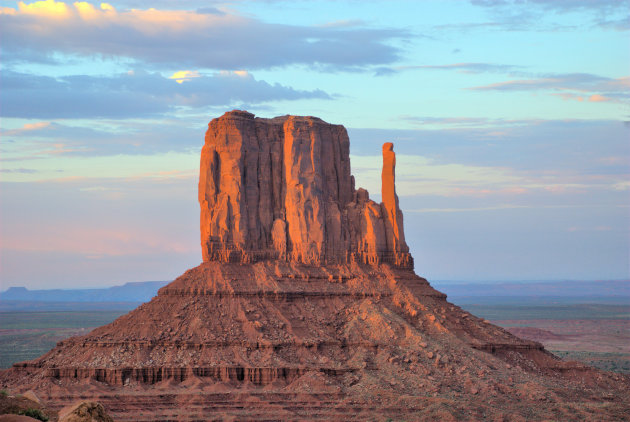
(34, 413)
(4, 393)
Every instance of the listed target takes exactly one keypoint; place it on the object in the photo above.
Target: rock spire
(275, 339)
(281, 188)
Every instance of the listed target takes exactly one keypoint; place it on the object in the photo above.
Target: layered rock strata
(276, 340)
(307, 308)
(281, 189)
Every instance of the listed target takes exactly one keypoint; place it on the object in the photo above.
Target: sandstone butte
(307, 307)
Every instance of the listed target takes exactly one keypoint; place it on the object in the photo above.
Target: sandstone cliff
(257, 332)
(281, 189)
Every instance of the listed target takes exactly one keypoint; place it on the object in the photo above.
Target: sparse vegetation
(29, 335)
(616, 362)
(498, 311)
(34, 413)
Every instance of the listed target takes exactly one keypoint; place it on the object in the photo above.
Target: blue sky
(509, 118)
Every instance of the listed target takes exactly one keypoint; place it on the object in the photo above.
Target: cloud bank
(134, 94)
(206, 38)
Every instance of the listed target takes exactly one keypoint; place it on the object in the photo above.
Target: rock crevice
(281, 188)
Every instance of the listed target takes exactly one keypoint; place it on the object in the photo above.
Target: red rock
(306, 307)
(394, 221)
(84, 412)
(16, 418)
(281, 189)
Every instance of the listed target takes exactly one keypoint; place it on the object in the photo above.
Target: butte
(307, 307)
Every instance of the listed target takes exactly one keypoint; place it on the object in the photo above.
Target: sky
(510, 120)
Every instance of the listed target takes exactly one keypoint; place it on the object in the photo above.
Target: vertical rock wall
(394, 220)
(281, 188)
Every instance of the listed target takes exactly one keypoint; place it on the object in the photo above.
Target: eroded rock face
(85, 411)
(281, 339)
(281, 188)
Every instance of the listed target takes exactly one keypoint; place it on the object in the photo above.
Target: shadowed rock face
(281, 189)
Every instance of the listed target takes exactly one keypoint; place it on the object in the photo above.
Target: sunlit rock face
(281, 188)
(257, 332)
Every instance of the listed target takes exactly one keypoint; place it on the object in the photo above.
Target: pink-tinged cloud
(574, 87)
(26, 128)
(567, 84)
(596, 98)
(569, 97)
(189, 39)
(519, 84)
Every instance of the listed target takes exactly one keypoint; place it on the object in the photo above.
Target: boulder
(85, 411)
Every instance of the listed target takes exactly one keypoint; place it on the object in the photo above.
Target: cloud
(209, 11)
(460, 67)
(463, 122)
(189, 39)
(18, 170)
(26, 128)
(549, 15)
(568, 96)
(557, 5)
(622, 24)
(595, 98)
(534, 166)
(561, 81)
(418, 175)
(134, 94)
(554, 152)
(571, 86)
(472, 67)
(347, 23)
(182, 76)
(131, 138)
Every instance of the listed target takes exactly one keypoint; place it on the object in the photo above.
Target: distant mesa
(132, 292)
(281, 189)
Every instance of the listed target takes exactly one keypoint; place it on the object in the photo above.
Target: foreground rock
(85, 411)
(16, 418)
(23, 407)
(307, 308)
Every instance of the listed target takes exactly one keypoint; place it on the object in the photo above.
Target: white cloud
(191, 39)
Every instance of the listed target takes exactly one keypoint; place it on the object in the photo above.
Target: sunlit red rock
(306, 307)
(262, 177)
